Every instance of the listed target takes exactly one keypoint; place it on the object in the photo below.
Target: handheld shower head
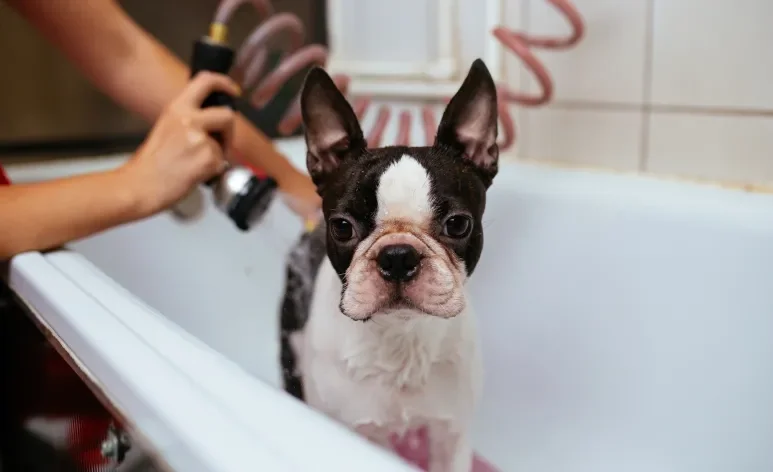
(237, 192)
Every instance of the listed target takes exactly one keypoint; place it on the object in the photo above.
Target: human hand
(179, 152)
(300, 194)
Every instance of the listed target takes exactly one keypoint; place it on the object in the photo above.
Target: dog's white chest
(391, 373)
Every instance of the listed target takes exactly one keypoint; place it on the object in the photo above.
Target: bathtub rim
(58, 290)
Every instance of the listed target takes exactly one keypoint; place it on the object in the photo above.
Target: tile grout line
(649, 35)
(588, 105)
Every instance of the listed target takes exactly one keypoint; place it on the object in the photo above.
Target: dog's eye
(458, 226)
(341, 229)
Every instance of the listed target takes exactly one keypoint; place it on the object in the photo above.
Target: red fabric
(85, 436)
(44, 387)
(258, 172)
(52, 390)
(89, 420)
(3, 177)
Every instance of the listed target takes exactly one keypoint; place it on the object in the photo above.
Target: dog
(386, 341)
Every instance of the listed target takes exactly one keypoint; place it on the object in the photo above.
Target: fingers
(203, 84)
(213, 161)
(218, 120)
(215, 119)
(205, 127)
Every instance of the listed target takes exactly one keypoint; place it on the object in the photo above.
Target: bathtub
(626, 325)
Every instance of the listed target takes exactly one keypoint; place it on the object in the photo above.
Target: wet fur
(381, 357)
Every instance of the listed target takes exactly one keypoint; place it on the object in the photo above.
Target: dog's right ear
(330, 125)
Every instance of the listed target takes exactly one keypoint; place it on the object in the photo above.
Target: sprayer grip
(214, 57)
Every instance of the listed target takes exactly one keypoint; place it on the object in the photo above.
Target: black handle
(214, 57)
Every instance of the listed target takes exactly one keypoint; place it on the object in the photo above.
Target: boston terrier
(386, 341)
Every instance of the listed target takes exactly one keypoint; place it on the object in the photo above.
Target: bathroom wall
(670, 86)
(678, 87)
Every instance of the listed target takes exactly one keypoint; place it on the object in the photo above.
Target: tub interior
(626, 322)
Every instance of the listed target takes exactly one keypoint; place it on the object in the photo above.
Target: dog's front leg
(449, 450)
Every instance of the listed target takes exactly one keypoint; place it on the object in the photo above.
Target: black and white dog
(386, 341)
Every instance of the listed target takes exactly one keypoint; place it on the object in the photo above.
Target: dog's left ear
(469, 123)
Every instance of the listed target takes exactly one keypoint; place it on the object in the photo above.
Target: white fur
(404, 193)
(401, 369)
(393, 373)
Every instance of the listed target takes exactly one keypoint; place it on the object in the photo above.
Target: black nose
(398, 263)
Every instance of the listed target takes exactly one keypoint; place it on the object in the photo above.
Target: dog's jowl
(386, 341)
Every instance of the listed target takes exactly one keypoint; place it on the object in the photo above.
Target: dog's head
(403, 223)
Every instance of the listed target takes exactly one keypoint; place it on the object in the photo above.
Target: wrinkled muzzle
(399, 268)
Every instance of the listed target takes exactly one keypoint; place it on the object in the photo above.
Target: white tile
(515, 16)
(713, 53)
(717, 147)
(603, 138)
(607, 65)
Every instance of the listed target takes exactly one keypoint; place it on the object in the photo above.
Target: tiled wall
(680, 87)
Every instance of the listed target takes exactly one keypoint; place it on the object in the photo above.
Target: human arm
(141, 74)
(48, 214)
(177, 155)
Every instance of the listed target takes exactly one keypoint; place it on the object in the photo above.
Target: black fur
(461, 165)
(456, 186)
(302, 266)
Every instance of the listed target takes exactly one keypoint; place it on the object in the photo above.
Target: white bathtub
(627, 322)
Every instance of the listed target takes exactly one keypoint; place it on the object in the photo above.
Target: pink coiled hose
(249, 70)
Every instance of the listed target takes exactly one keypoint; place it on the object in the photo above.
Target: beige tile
(607, 65)
(591, 137)
(732, 148)
(713, 53)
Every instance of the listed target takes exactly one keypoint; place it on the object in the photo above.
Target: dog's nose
(398, 263)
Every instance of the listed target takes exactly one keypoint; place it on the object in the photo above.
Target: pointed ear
(469, 123)
(330, 125)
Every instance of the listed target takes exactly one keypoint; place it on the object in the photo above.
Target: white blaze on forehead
(404, 193)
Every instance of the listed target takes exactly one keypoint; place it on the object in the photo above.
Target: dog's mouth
(397, 305)
(401, 305)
